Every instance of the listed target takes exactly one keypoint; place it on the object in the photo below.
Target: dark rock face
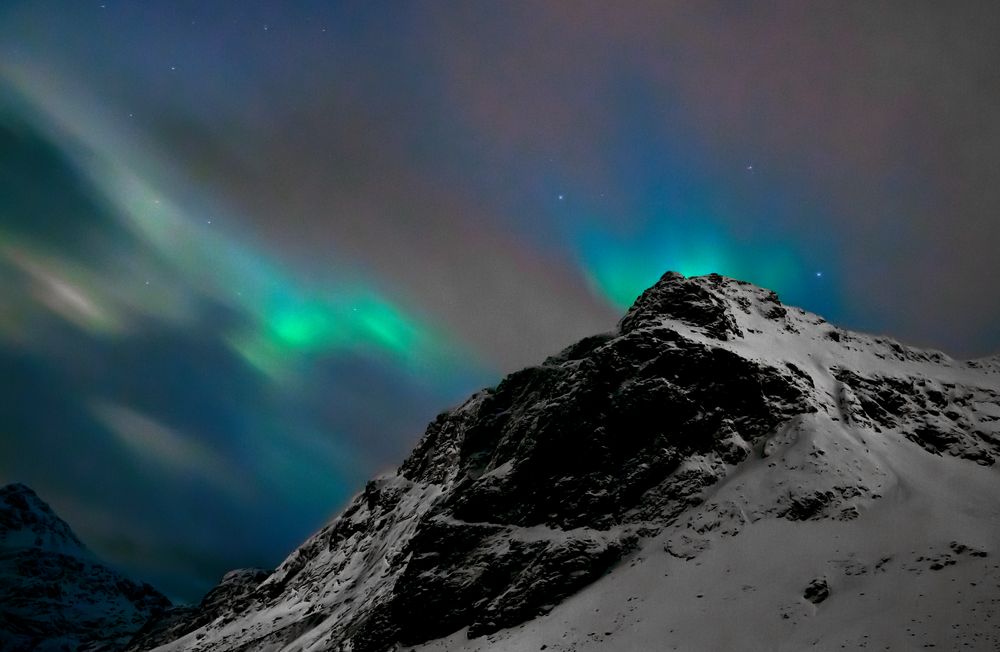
(515, 579)
(817, 591)
(54, 594)
(578, 443)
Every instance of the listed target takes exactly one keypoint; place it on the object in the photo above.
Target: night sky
(248, 249)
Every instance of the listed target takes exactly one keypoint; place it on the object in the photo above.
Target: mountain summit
(719, 453)
(54, 593)
(26, 521)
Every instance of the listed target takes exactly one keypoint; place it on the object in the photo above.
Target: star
(562, 197)
(750, 167)
(819, 274)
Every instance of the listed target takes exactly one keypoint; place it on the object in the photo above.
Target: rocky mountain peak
(27, 521)
(54, 593)
(710, 303)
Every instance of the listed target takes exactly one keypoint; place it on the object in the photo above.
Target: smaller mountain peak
(698, 301)
(21, 497)
(27, 521)
(54, 593)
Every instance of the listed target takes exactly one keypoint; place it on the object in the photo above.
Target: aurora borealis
(248, 249)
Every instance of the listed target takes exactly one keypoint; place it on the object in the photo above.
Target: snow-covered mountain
(722, 472)
(54, 593)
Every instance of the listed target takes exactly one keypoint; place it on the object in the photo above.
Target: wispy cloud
(52, 285)
(168, 449)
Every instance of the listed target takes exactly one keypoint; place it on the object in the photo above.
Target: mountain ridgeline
(712, 412)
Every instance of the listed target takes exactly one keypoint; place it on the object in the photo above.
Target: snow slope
(916, 568)
(723, 472)
(54, 593)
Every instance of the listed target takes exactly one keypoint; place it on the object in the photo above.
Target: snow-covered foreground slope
(723, 472)
(54, 593)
